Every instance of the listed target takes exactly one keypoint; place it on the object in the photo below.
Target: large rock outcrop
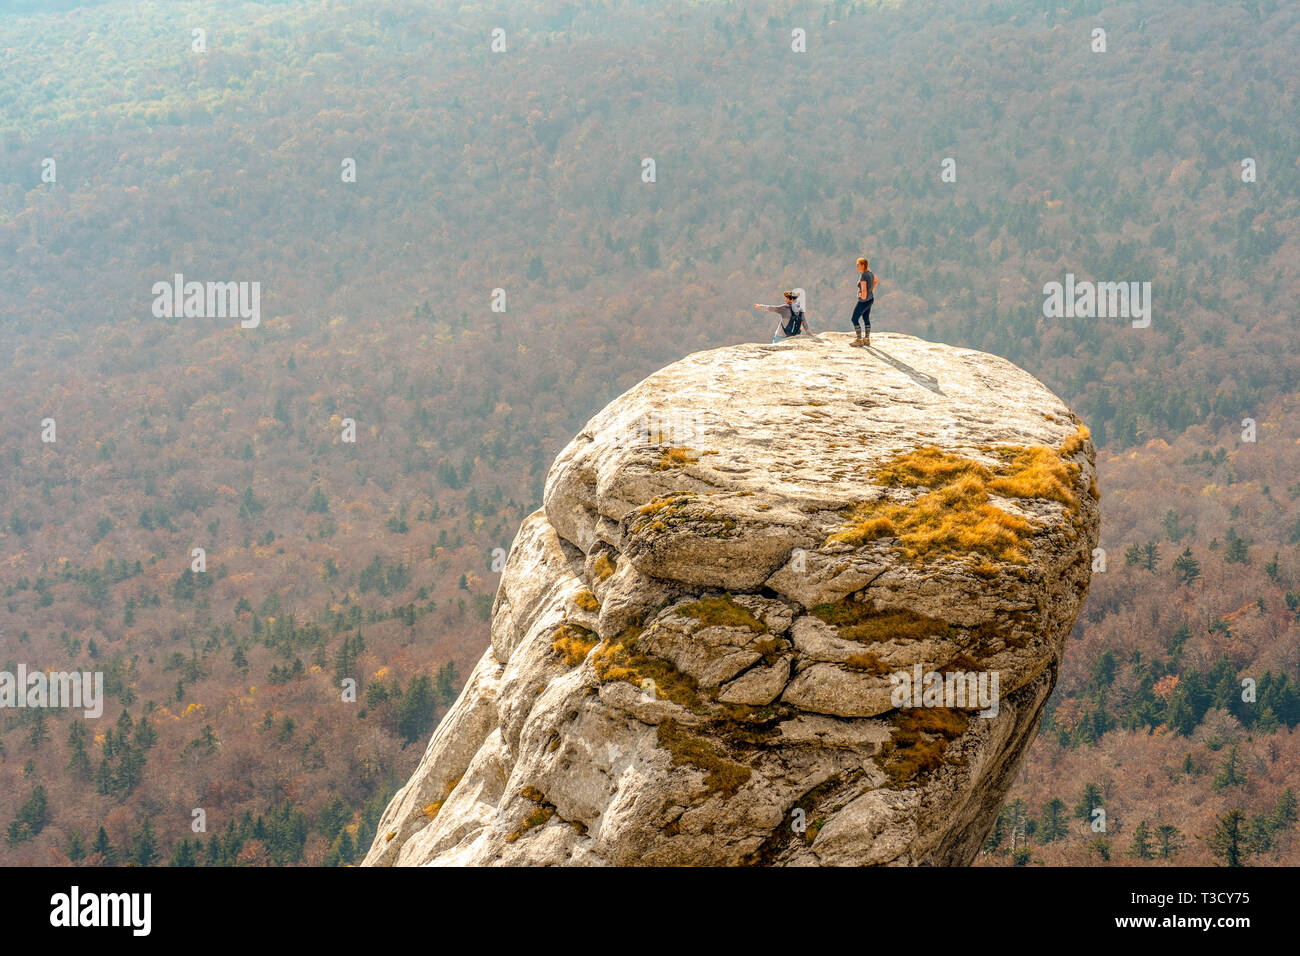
(696, 639)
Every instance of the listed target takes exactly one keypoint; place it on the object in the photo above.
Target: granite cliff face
(697, 639)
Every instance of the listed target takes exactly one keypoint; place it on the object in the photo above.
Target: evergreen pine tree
(1285, 813)
(1267, 721)
(144, 846)
(76, 847)
(1260, 834)
(183, 854)
(1151, 556)
(1236, 551)
(78, 759)
(31, 817)
(1228, 841)
(1141, 845)
(1169, 840)
(318, 504)
(446, 684)
(1230, 773)
(415, 712)
(1186, 568)
(1090, 800)
(1053, 825)
(103, 848)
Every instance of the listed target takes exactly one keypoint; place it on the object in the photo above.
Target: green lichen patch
(656, 510)
(536, 817)
(721, 774)
(809, 810)
(722, 611)
(684, 509)
(867, 663)
(857, 621)
(746, 726)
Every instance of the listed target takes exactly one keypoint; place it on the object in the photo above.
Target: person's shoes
(857, 340)
(866, 340)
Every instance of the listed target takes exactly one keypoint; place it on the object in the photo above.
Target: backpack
(795, 325)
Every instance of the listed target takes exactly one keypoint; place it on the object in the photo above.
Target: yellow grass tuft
(918, 742)
(1074, 444)
(1037, 472)
(929, 467)
(954, 519)
(620, 660)
(573, 642)
(676, 458)
(536, 818)
(678, 499)
(431, 809)
(957, 515)
(654, 509)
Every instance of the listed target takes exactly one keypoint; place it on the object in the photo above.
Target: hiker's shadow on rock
(920, 378)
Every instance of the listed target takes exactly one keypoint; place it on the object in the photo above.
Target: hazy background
(521, 170)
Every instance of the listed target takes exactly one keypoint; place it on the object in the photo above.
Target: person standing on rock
(794, 320)
(867, 283)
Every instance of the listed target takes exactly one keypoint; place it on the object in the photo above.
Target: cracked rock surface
(694, 638)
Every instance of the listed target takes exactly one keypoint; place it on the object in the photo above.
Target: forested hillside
(518, 177)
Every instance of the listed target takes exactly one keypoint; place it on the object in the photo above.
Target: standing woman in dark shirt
(862, 310)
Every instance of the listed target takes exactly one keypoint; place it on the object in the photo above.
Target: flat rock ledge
(696, 640)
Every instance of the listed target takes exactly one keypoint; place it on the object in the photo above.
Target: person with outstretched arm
(794, 320)
(867, 283)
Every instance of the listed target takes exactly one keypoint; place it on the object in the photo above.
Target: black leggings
(863, 311)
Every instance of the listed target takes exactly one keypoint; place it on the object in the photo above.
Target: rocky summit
(792, 604)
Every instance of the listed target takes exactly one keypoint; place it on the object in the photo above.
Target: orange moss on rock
(957, 514)
(573, 642)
